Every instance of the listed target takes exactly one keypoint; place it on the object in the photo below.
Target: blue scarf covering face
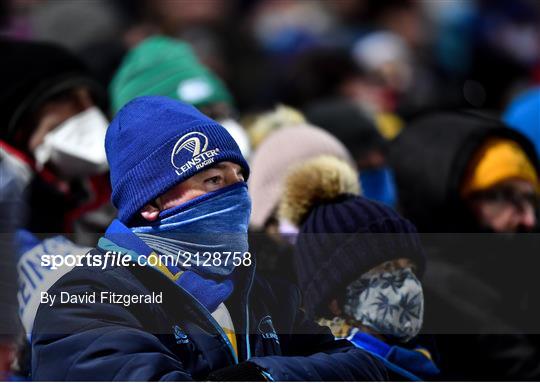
(214, 224)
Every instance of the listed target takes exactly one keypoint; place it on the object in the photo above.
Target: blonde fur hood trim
(319, 180)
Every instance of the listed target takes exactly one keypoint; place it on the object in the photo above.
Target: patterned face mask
(389, 302)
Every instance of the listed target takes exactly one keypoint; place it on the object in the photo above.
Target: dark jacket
(472, 286)
(44, 208)
(178, 339)
(9, 222)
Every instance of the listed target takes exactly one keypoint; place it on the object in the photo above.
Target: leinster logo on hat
(191, 151)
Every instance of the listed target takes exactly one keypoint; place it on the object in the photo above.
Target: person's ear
(150, 212)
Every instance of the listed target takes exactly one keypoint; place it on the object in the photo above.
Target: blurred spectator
(468, 173)
(359, 134)
(284, 28)
(506, 47)
(164, 66)
(52, 124)
(407, 80)
(173, 17)
(285, 147)
(219, 34)
(52, 136)
(326, 73)
(523, 114)
(274, 156)
(383, 91)
(167, 67)
(501, 187)
(10, 202)
(74, 25)
(385, 55)
(365, 285)
(262, 124)
(404, 18)
(96, 30)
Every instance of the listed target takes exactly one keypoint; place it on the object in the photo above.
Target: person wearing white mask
(52, 136)
(53, 125)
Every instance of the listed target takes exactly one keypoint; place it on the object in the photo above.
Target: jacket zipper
(246, 299)
(214, 323)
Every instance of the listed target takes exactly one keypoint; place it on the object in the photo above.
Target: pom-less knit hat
(341, 235)
(348, 123)
(155, 143)
(164, 66)
(497, 160)
(341, 240)
(288, 146)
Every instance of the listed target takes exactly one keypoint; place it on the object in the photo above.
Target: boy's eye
(213, 180)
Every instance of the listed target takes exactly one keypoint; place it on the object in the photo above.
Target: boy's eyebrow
(219, 165)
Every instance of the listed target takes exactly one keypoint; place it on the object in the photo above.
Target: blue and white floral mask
(389, 302)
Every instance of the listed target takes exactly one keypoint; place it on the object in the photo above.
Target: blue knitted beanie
(154, 143)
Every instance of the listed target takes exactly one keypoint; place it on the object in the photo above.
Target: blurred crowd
(429, 108)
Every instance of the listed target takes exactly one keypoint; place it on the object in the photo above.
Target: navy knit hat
(341, 240)
(154, 143)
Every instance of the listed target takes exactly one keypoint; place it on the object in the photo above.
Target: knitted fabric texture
(166, 67)
(341, 240)
(155, 143)
(273, 159)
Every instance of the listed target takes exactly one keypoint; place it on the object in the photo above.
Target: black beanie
(348, 123)
(341, 240)
(31, 73)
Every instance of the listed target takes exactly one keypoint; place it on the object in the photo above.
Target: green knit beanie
(164, 66)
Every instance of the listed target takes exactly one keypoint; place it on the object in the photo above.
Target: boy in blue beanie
(178, 181)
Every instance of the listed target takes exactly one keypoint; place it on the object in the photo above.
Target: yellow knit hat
(497, 160)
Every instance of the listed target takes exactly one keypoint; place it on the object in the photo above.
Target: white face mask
(389, 302)
(76, 147)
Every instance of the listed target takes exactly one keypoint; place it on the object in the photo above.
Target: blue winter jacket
(178, 339)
